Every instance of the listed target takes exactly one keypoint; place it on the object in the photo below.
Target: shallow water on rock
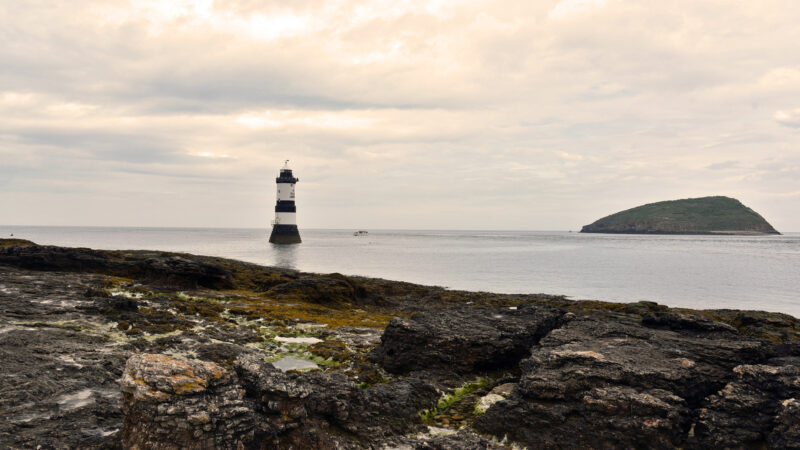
(292, 363)
(8, 328)
(298, 340)
(31, 417)
(84, 397)
(75, 400)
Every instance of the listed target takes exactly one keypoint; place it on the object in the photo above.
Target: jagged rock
(595, 383)
(759, 407)
(786, 433)
(172, 404)
(464, 339)
(310, 410)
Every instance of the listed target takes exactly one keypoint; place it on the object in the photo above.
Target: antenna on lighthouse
(284, 227)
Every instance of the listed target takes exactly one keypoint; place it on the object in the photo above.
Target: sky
(532, 115)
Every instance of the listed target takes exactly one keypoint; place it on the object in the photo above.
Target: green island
(705, 215)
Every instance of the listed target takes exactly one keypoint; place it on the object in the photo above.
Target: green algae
(455, 397)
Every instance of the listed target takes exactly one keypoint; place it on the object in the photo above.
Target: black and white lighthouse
(284, 227)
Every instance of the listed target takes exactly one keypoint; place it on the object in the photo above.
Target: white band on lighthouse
(285, 191)
(285, 218)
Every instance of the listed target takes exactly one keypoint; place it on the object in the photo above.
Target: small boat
(360, 233)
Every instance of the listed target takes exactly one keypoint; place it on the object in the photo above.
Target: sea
(702, 272)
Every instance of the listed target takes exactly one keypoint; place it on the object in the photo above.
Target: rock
(464, 339)
(678, 321)
(786, 433)
(178, 271)
(302, 410)
(503, 389)
(116, 302)
(96, 292)
(463, 440)
(498, 393)
(595, 383)
(315, 289)
(162, 268)
(606, 375)
(486, 402)
(172, 404)
(442, 439)
(759, 407)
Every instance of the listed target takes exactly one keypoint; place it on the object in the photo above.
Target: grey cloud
(100, 145)
(725, 165)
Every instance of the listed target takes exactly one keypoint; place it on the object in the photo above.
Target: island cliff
(159, 350)
(706, 215)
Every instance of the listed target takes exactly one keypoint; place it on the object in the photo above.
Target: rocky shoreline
(146, 349)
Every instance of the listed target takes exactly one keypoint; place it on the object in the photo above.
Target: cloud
(580, 106)
(567, 8)
(724, 165)
(789, 118)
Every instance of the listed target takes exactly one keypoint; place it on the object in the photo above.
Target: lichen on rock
(170, 403)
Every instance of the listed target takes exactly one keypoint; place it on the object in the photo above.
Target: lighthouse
(284, 227)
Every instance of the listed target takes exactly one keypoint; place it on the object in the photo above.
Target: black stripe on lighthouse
(284, 206)
(284, 228)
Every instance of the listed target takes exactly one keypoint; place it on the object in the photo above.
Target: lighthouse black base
(284, 234)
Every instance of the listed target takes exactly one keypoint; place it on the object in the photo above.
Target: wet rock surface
(611, 384)
(57, 384)
(759, 407)
(465, 339)
(139, 349)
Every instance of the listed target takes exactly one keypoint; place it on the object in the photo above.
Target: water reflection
(284, 256)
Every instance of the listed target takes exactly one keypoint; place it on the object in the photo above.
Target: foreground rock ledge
(171, 404)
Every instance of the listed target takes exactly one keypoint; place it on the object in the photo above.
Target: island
(705, 215)
(105, 349)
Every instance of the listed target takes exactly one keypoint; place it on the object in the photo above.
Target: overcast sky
(529, 115)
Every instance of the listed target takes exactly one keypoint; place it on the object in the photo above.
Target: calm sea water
(690, 271)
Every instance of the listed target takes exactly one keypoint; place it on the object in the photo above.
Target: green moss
(334, 316)
(768, 326)
(453, 398)
(332, 350)
(210, 309)
(6, 242)
(320, 361)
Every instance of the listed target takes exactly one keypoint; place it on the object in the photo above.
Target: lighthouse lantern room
(284, 227)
